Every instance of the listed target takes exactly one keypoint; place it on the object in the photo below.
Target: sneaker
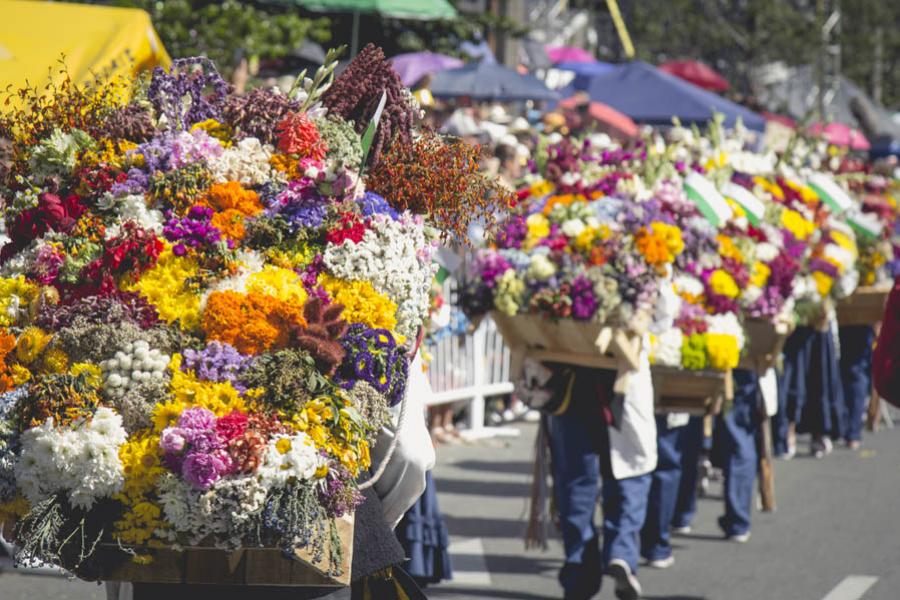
(739, 538)
(821, 448)
(532, 416)
(627, 585)
(854, 444)
(685, 530)
(661, 563)
(508, 415)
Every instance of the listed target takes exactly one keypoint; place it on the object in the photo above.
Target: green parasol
(425, 10)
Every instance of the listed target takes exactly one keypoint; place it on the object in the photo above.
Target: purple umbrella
(415, 65)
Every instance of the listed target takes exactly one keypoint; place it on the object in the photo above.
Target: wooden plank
(597, 361)
(864, 307)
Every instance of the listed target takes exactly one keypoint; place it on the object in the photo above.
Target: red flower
(297, 134)
(231, 426)
(350, 228)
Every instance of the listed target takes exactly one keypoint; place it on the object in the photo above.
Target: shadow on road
(483, 488)
(472, 592)
(516, 467)
(482, 527)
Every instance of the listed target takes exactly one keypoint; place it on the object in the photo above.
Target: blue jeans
(792, 385)
(580, 445)
(856, 374)
(824, 413)
(686, 506)
(664, 491)
(736, 452)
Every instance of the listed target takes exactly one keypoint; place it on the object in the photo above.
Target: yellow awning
(95, 40)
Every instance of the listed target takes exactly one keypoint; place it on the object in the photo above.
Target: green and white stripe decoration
(709, 201)
(830, 192)
(865, 224)
(752, 205)
(368, 135)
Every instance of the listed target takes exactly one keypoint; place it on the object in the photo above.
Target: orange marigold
(232, 195)
(252, 323)
(652, 247)
(230, 222)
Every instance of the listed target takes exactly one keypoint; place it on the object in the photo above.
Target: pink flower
(197, 418)
(172, 440)
(203, 470)
(231, 426)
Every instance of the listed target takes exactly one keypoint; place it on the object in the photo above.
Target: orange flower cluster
(232, 203)
(297, 134)
(652, 247)
(7, 345)
(253, 323)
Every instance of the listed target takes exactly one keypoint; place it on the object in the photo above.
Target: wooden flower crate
(864, 307)
(246, 566)
(695, 392)
(765, 341)
(567, 341)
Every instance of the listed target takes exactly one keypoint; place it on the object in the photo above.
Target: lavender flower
(217, 362)
(187, 79)
(373, 204)
(192, 231)
(300, 205)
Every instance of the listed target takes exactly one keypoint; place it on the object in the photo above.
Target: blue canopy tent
(489, 81)
(651, 96)
(584, 72)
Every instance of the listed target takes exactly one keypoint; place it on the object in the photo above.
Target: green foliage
(224, 30)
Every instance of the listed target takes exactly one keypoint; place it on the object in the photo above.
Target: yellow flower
(824, 282)
(723, 284)
(31, 343)
(844, 241)
(282, 284)
(722, 350)
(796, 224)
(541, 188)
(16, 294)
(362, 302)
(538, 229)
(283, 445)
(187, 391)
(728, 249)
(94, 374)
(770, 187)
(671, 235)
(167, 287)
(19, 374)
(759, 274)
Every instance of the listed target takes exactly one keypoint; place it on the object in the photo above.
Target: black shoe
(627, 585)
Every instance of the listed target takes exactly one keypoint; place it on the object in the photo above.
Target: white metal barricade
(469, 367)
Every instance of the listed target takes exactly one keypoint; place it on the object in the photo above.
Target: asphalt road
(835, 535)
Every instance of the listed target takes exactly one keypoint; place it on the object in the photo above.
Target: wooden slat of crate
(247, 566)
(864, 307)
(678, 390)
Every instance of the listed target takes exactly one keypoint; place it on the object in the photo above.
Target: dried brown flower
(320, 338)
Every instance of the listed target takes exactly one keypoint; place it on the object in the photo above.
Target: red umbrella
(697, 73)
(604, 114)
(841, 134)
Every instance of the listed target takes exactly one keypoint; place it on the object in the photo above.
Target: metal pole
(354, 42)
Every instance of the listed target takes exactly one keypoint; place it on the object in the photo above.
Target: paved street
(835, 536)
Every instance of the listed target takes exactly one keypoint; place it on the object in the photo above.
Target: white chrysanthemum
(396, 258)
(81, 460)
(246, 162)
(572, 227)
(688, 284)
(840, 256)
(766, 252)
(751, 294)
(666, 349)
(132, 207)
(289, 457)
(248, 262)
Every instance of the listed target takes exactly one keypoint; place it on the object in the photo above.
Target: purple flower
(191, 231)
(202, 470)
(584, 302)
(191, 91)
(373, 204)
(217, 362)
(136, 183)
(300, 205)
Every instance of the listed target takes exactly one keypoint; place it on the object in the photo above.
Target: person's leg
(737, 433)
(624, 511)
(655, 534)
(856, 375)
(576, 476)
(686, 505)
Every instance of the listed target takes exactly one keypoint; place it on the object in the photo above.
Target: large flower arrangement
(206, 312)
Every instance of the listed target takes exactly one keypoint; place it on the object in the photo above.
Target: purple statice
(137, 183)
(373, 356)
(300, 205)
(192, 231)
(372, 204)
(584, 301)
(339, 495)
(218, 362)
(513, 232)
(155, 154)
(191, 91)
(769, 304)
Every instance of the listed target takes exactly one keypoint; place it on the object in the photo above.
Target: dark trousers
(856, 375)
(686, 505)
(735, 450)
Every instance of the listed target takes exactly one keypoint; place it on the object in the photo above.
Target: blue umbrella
(651, 96)
(584, 72)
(489, 81)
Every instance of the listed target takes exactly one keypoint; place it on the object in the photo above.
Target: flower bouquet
(209, 304)
(573, 272)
